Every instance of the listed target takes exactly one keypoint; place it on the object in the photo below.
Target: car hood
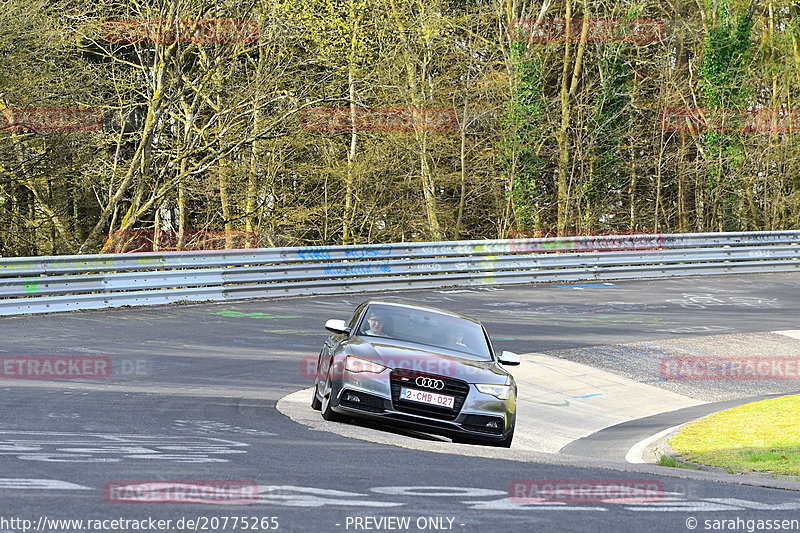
(428, 359)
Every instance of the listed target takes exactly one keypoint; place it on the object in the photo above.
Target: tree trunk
(569, 84)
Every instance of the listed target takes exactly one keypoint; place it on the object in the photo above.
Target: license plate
(431, 398)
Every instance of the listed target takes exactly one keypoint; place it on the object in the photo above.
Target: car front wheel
(315, 403)
(506, 442)
(328, 413)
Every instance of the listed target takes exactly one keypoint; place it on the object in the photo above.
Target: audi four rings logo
(430, 383)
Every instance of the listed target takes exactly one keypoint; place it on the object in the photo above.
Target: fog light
(352, 398)
(493, 424)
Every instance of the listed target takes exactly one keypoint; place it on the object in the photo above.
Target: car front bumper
(480, 416)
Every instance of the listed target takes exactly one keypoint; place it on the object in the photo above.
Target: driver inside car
(454, 338)
(377, 325)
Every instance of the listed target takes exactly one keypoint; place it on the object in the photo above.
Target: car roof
(394, 302)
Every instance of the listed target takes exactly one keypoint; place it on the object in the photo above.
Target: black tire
(327, 413)
(315, 403)
(506, 442)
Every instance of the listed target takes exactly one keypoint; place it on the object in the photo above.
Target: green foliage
(672, 462)
(230, 117)
(724, 86)
(725, 56)
(338, 31)
(759, 436)
(522, 121)
(610, 122)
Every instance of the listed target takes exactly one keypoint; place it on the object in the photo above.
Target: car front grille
(399, 378)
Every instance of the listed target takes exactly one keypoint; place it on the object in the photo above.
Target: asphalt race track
(194, 390)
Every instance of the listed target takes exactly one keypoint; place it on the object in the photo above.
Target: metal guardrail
(62, 283)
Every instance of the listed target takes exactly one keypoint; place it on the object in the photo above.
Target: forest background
(566, 131)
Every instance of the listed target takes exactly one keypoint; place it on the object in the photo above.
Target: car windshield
(425, 327)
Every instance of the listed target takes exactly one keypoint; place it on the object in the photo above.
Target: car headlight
(355, 364)
(501, 392)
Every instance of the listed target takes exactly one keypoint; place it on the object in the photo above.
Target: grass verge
(666, 460)
(760, 436)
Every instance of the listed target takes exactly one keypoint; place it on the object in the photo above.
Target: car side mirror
(509, 358)
(337, 326)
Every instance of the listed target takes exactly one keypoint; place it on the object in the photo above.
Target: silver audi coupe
(418, 367)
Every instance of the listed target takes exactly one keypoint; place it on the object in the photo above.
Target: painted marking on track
(682, 507)
(294, 496)
(589, 286)
(239, 314)
(694, 329)
(476, 289)
(57, 447)
(336, 303)
(455, 291)
(440, 491)
(565, 404)
(508, 504)
(747, 504)
(704, 301)
(294, 332)
(588, 395)
(165, 389)
(298, 496)
(211, 426)
(668, 505)
(10, 483)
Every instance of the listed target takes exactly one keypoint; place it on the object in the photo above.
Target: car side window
(356, 314)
